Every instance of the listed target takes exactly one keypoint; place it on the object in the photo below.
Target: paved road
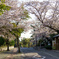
(31, 53)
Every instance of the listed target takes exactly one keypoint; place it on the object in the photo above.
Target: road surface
(31, 53)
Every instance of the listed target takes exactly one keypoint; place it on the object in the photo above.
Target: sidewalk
(5, 48)
(12, 53)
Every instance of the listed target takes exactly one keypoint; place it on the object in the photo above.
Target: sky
(32, 17)
(26, 35)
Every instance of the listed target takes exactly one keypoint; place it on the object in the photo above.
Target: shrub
(12, 42)
(40, 41)
(48, 47)
(25, 45)
(25, 42)
(2, 41)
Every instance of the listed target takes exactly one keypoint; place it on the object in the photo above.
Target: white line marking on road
(35, 56)
(43, 57)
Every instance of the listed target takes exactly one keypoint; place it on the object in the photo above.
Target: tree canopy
(3, 7)
(46, 12)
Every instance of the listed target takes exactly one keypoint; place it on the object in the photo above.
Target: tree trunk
(7, 42)
(40, 44)
(8, 47)
(18, 44)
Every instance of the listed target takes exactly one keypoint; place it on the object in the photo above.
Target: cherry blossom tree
(10, 20)
(46, 12)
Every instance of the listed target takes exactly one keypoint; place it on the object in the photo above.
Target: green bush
(4, 44)
(40, 41)
(2, 41)
(25, 45)
(25, 42)
(12, 42)
(48, 47)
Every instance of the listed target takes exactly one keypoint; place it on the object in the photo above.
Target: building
(55, 43)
